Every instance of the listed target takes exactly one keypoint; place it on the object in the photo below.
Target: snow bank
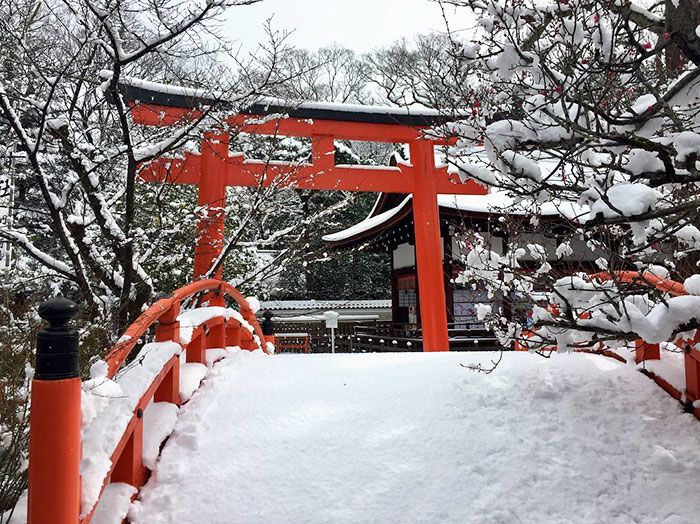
(414, 437)
(253, 304)
(692, 284)
(158, 422)
(667, 370)
(191, 375)
(114, 504)
(212, 356)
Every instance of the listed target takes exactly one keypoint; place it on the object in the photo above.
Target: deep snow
(414, 437)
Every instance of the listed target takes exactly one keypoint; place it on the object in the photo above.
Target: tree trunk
(681, 23)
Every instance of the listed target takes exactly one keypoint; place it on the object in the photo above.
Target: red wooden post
(212, 204)
(692, 377)
(645, 351)
(234, 333)
(248, 341)
(54, 422)
(169, 389)
(323, 152)
(426, 221)
(168, 328)
(216, 338)
(196, 349)
(129, 467)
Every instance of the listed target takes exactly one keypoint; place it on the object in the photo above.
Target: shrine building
(389, 229)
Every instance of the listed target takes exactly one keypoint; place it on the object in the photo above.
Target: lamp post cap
(58, 311)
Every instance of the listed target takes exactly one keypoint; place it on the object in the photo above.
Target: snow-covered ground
(413, 437)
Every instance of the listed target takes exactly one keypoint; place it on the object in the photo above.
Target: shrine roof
(496, 203)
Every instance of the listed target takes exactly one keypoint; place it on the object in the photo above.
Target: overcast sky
(361, 25)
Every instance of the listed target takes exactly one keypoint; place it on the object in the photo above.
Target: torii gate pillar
(426, 224)
(211, 201)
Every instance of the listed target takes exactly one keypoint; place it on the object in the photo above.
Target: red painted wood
(141, 325)
(283, 175)
(321, 177)
(337, 129)
(129, 466)
(196, 349)
(646, 278)
(233, 333)
(168, 328)
(54, 452)
(156, 115)
(216, 338)
(692, 374)
(426, 222)
(173, 170)
(169, 388)
(645, 351)
(211, 201)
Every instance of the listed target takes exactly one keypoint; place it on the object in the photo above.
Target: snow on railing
(128, 408)
(680, 378)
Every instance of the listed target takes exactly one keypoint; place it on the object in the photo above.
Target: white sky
(361, 25)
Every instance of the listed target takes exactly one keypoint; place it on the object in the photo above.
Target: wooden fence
(374, 336)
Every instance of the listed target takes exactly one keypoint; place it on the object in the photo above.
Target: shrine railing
(687, 389)
(111, 445)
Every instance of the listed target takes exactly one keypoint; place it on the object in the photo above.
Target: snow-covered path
(413, 437)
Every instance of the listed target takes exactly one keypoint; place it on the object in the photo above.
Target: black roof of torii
(136, 90)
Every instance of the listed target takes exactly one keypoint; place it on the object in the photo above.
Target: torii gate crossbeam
(215, 168)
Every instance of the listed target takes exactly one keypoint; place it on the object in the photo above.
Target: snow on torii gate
(215, 168)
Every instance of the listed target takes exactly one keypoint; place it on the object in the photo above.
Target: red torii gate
(215, 168)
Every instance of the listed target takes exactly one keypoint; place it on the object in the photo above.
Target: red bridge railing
(55, 494)
(645, 351)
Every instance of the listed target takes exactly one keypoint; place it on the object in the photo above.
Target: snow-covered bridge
(415, 437)
(204, 425)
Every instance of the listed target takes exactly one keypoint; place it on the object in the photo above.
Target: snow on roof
(416, 110)
(501, 202)
(368, 223)
(184, 97)
(496, 202)
(324, 305)
(166, 89)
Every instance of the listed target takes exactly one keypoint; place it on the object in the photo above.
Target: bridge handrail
(645, 351)
(121, 350)
(644, 278)
(57, 439)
